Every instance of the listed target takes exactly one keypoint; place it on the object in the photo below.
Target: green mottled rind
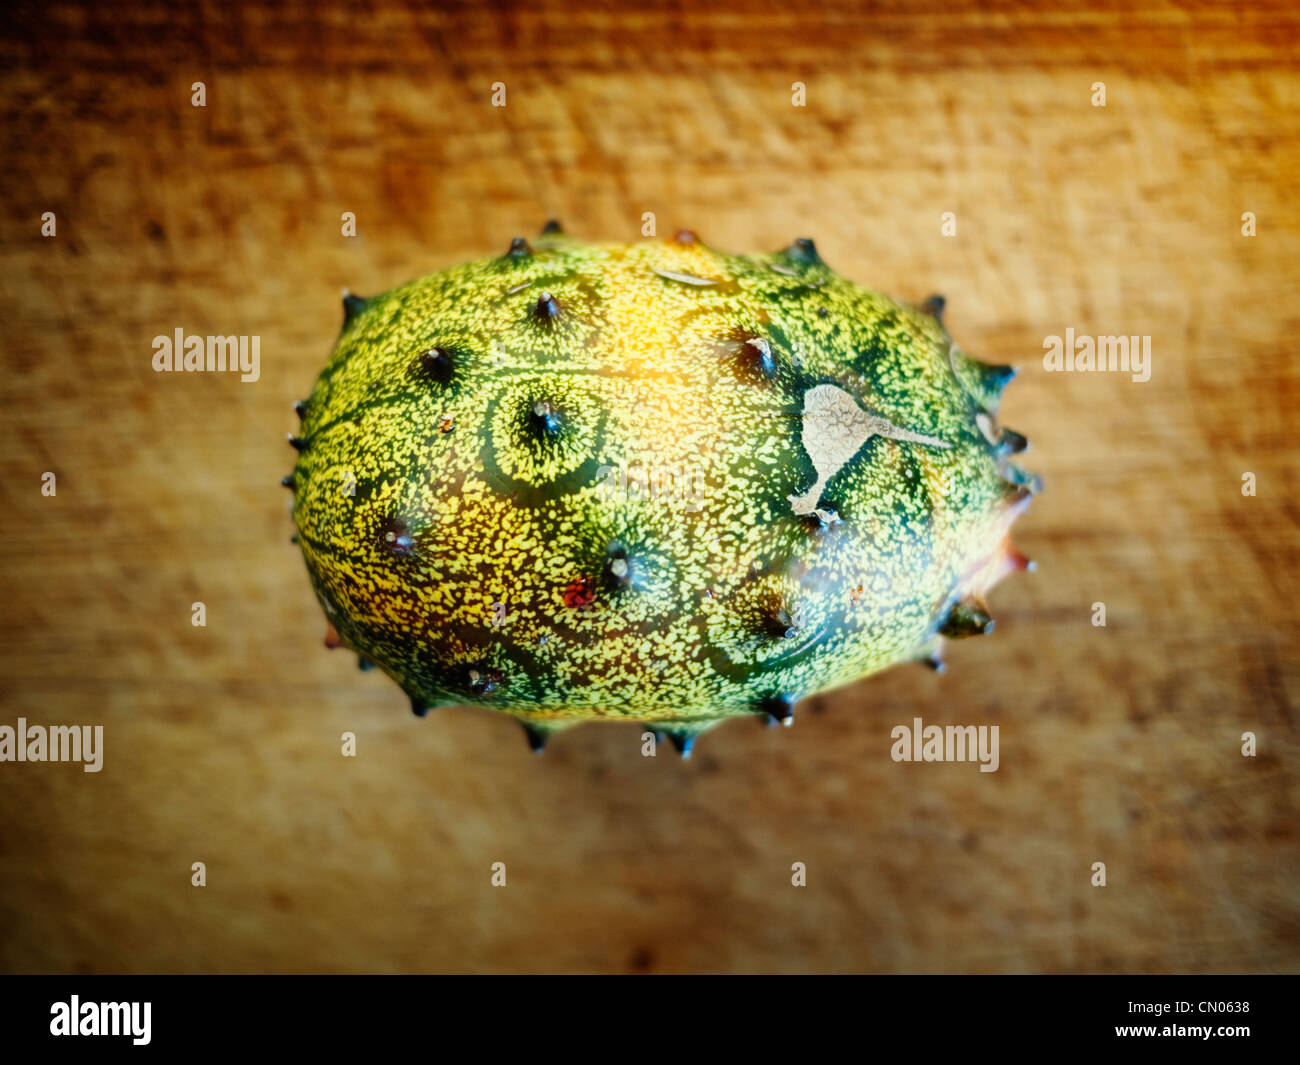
(650, 372)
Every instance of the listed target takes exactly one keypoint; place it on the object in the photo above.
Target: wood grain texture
(1118, 744)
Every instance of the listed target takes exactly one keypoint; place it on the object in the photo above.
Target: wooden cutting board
(1119, 744)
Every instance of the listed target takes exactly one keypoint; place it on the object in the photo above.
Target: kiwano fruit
(649, 482)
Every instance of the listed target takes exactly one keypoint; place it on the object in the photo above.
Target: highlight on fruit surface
(650, 482)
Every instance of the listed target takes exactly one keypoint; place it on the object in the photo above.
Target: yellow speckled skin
(588, 481)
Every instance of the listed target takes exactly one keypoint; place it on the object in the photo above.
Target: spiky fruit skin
(842, 492)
